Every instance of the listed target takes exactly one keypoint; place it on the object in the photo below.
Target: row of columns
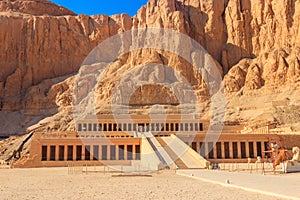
(231, 149)
(135, 154)
(140, 127)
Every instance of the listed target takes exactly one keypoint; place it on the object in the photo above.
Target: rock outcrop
(276, 68)
(256, 44)
(37, 48)
(34, 7)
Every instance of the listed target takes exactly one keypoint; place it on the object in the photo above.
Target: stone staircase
(171, 152)
(179, 163)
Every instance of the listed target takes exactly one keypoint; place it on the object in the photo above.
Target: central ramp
(160, 151)
(179, 163)
(182, 154)
(173, 152)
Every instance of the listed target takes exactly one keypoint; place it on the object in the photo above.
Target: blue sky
(109, 7)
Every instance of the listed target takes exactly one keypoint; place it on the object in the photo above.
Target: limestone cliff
(42, 44)
(37, 48)
(255, 42)
(33, 7)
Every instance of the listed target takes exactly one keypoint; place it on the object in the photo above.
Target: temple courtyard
(66, 183)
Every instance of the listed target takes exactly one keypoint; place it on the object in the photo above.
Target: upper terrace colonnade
(142, 123)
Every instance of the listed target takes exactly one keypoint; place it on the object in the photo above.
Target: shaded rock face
(36, 48)
(256, 44)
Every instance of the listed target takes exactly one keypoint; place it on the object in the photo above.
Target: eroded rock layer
(254, 43)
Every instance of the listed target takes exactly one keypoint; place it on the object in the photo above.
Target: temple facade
(184, 141)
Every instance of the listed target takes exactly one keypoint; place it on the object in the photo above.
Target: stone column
(65, 152)
(117, 152)
(239, 149)
(215, 151)
(48, 152)
(247, 149)
(133, 152)
(230, 150)
(91, 152)
(74, 152)
(125, 152)
(83, 152)
(206, 150)
(263, 147)
(255, 149)
(100, 152)
(56, 152)
(223, 149)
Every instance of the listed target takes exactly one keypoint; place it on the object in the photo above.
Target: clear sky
(108, 7)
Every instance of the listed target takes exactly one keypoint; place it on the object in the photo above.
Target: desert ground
(49, 183)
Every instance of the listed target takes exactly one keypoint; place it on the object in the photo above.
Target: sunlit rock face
(255, 44)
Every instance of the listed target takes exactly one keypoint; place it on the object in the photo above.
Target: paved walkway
(282, 186)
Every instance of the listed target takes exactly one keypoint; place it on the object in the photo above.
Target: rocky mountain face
(255, 43)
(34, 7)
(37, 48)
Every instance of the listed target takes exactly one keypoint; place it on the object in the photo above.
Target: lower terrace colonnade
(222, 150)
(90, 152)
(230, 149)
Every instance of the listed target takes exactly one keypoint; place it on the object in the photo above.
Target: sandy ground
(50, 183)
(278, 185)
